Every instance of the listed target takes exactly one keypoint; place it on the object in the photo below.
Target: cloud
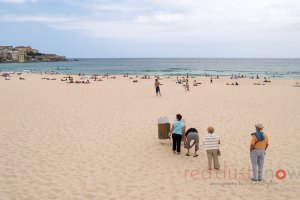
(173, 19)
(44, 19)
(18, 1)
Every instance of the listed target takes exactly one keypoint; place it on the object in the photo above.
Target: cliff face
(38, 57)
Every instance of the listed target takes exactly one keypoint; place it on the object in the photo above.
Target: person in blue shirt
(177, 131)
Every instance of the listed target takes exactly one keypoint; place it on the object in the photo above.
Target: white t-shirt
(211, 141)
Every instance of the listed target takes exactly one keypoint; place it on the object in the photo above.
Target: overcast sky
(154, 28)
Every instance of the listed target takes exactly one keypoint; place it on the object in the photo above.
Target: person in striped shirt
(211, 144)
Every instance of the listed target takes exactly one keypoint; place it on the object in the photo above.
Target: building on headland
(5, 53)
(26, 54)
(21, 56)
(6, 47)
(24, 49)
(15, 55)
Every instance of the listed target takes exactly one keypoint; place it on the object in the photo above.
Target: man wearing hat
(258, 147)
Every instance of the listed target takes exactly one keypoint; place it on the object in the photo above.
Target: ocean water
(278, 68)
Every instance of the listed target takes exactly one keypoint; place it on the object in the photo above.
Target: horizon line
(182, 58)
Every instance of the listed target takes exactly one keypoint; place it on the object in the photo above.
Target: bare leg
(188, 152)
(195, 153)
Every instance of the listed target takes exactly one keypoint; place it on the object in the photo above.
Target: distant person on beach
(157, 88)
(297, 85)
(258, 147)
(195, 83)
(191, 134)
(211, 144)
(177, 131)
(178, 81)
(187, 86)
(211, 80)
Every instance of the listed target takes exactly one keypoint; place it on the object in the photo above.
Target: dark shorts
(157, 89)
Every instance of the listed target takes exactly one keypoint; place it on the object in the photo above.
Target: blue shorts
(157, 89)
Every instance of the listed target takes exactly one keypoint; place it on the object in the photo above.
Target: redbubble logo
(226, 173)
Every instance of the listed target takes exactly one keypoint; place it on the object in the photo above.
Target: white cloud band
(175, 18)
(18, 1)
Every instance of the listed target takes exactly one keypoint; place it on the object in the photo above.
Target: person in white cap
(258, 147)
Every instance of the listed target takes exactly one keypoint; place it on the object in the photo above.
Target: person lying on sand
(236, 83)
(84, 82)
(258, 84)
(21, 78)
(5, 75)
(266, 81)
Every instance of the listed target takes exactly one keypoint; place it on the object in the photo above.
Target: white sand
(99, 140)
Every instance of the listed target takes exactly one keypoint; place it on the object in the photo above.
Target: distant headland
(21, 54)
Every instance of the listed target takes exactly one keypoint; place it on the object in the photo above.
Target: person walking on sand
(187, 85)
(157, 88)
(177, 131)
(211, 144)
(191, 134)
(258, 147)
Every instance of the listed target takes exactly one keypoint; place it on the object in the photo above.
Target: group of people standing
(258, 146)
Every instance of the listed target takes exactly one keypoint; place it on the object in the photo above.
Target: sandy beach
(100, 140)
